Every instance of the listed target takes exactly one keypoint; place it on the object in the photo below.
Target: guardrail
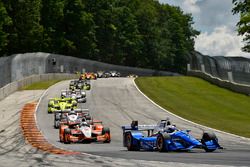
(236, 87)
(17, 85)
(235, 69)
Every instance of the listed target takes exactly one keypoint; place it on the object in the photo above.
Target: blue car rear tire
(208, 136)
(160, 142)
(129, 143)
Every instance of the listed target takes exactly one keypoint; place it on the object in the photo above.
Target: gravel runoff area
(14, 150)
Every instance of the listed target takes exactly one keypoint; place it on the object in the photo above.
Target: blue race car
(165, 137)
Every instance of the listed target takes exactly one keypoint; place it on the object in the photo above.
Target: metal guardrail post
(61, 68)
(188, 67)
(230, 76)
(203, 68)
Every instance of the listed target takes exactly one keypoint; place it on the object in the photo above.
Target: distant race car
(132, 76)
(83, 85)
(65, 117)
(55, 104)
(165, 137)
(72, 84)
(100, 74)
(84, 132)
(88, 76)
(103, 74)
(80, 84)
(115, 74)
(78, 95)
(106, 74)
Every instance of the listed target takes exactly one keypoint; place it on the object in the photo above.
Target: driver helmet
(171, 129)
(84, 124)
(72, 112)
(168, 123)
(83, 119)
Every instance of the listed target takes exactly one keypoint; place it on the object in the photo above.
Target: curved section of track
(117, 102)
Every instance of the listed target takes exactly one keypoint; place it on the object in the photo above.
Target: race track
(116, 101)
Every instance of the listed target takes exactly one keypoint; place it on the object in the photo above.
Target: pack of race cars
(77, 126)
(99, 74)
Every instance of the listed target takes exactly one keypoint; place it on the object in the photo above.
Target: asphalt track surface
(116, 101)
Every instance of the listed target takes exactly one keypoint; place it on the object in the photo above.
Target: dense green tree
(166, 48)
(5, 20)
(117, 35)
(243, 7)
(79, 29)
(147, 16)
(25, 31)
(102, 11)
(128, 41)
(52, 20)
(182, 37)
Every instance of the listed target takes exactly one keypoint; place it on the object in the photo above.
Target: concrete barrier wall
(5, 70)
(17, 85)
(60, 63)
(236, 87)
(27, 64)
(18, 66)
(220, 66)
(23, 69)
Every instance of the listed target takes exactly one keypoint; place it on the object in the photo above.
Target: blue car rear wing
(134, 126)
(139, 127)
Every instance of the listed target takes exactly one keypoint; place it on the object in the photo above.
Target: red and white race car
(84, 132)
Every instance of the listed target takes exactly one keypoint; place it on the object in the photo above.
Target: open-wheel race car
(165, 137)
(77, 94)
(100, 74)
(84, 132)
(132, 76)
(88, 76)
(115, 74)
(55, 104)
(80, 84)
(73, 84)
(65, 117)
(103, 74)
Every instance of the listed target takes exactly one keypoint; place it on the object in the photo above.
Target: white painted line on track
(241, 137)
(40, 99)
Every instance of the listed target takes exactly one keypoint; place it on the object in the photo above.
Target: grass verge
(201, 102)
(41, 85)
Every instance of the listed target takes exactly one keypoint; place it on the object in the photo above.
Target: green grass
(201, 102)
(41, 85)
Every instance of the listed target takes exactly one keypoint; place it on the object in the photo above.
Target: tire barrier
(32, 134)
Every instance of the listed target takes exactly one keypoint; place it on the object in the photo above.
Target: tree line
(124, 32)
(243, 8)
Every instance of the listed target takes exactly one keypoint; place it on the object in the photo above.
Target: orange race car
(84, 132)
(88, 76)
